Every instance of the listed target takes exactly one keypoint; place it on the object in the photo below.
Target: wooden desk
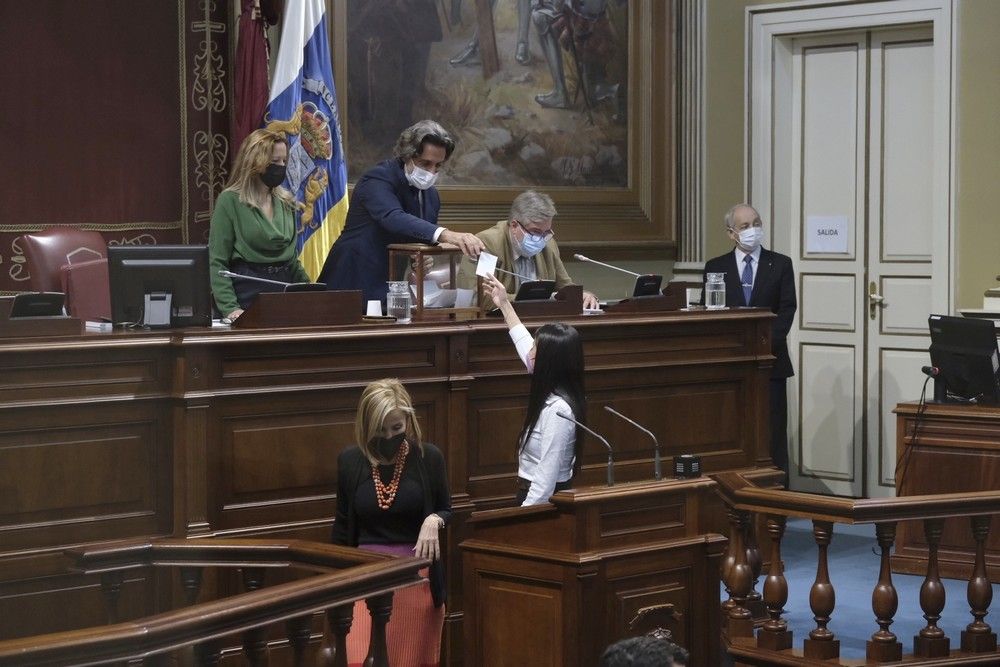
(956, 449)
(566, 579)
(236, 433)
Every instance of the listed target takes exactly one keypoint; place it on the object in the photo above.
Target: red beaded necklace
(386, 494)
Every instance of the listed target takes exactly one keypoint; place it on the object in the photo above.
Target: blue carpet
(854, 569)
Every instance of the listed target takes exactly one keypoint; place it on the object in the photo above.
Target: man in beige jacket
(525, 244)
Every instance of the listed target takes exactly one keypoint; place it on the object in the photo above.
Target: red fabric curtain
(250, 89)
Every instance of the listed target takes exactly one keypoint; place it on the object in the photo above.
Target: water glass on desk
(715, 291)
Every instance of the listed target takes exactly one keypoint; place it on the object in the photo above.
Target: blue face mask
(531, 244)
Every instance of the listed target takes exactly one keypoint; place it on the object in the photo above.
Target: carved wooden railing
(746, 610)
(337, 577)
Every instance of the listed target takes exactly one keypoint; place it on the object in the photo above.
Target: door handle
(874, 300)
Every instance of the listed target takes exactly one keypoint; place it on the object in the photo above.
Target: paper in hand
(487, 264)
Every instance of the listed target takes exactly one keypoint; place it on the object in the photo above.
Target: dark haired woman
(548, 452)
(394, 202)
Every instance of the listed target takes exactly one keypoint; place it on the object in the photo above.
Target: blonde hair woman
(252, 232)
(393, 497)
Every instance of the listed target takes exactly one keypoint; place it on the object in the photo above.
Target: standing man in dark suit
(761, 278)
(394, 202)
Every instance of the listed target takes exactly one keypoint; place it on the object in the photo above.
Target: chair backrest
(72, 261)
(51, 249)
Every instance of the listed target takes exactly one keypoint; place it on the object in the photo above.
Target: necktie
(747, 279)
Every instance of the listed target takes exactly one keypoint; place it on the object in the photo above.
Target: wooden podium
(554, 584)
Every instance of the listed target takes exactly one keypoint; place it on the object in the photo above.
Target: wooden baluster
(334, 651)
(931, 641)
(298, 630)
(255, 639)
(740, 580)
(754, 602)
(775, 635)
(978, 636)
(380, 608)
(822, 644)
(726, 567)
(883, 647)
(191, 580)
(111, 586)
(255, 646)
(207, 653)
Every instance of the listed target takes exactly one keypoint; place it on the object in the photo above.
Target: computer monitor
(535, 290)
(647, 285)
(964, 352)
(160, 285)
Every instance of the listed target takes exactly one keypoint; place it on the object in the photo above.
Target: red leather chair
(72, 261)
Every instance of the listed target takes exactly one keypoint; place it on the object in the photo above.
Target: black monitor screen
(177, 271)
(964, 351)
(647, 285)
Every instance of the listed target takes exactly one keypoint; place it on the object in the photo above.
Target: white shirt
(547, 456)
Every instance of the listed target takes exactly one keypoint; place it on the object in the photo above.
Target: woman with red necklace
(393, 497)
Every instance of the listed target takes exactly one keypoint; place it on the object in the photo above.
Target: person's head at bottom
(644, 651)
(385, 420)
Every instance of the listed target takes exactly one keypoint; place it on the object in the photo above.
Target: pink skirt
(413, 633)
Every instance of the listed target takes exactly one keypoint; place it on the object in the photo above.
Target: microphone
(932, 371)
(657, 473)
(611, 462)
(516, 275)
(230, 274)
(582, 258)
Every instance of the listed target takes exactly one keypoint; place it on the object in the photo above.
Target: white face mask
(750, 238)
(421, 178)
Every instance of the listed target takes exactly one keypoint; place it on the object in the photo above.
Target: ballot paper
(463, 299)
(435, 297)
(487, 264)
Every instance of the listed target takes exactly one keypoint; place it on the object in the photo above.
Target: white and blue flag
(303, 105)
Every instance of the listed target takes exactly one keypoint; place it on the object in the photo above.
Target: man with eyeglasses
(525, 245)
(760, 278)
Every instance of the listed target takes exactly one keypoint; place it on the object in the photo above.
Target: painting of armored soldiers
(555, 112)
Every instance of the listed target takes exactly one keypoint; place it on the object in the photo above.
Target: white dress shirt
(547, 457)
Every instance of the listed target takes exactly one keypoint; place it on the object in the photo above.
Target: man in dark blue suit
(394, 202)
(761, 278)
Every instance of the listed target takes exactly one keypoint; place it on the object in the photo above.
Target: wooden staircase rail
(344, 575)
(772, 643)
(742, 494)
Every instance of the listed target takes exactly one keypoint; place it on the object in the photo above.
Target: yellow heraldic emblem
(306, 179)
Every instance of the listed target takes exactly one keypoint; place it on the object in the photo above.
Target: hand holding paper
(486, 265)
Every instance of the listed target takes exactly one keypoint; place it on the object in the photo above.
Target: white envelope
(487, 264)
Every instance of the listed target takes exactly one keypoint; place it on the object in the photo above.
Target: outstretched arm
(523, 342)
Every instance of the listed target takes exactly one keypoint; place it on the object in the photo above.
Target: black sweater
(353, 469)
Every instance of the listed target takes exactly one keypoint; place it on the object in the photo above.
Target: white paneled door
(858, 186)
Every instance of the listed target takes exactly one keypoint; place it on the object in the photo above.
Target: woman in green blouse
(253, 226)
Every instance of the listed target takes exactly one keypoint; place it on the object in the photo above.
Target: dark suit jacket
(353, 469)
(384, 209)
(774, 288)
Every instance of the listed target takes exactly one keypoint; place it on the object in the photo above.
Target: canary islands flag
(303, 105)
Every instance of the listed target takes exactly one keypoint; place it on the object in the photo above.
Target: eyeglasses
(538, 238)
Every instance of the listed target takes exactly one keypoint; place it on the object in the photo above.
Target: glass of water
(397, 301)
(715, 291)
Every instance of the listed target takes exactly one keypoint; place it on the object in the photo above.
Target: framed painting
(570, 97)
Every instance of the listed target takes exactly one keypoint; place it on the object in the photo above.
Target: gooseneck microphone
(657, 472)
(611, 461)
(230, 274)
(511, 273)
(932, 371)
(583, 258)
